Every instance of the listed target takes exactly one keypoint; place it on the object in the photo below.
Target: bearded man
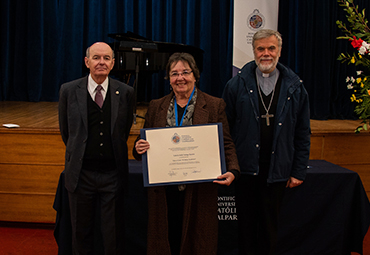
(268, 112)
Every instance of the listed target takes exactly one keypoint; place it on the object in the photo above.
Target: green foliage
(356, 30)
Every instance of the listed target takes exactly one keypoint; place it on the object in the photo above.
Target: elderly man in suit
(95, 118)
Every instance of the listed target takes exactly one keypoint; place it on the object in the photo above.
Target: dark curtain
(311, 49)
(43, 44)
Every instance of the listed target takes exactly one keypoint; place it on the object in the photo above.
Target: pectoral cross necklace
(266, 116)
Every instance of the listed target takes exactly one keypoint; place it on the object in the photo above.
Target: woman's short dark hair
(184, 57)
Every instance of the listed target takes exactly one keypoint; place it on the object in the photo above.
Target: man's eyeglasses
(184, 74)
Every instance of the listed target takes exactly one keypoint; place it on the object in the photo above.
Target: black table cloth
(328, 214)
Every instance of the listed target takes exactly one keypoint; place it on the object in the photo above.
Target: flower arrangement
(358, 33)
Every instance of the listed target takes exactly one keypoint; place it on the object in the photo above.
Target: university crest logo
(256, 20)
(175, 138)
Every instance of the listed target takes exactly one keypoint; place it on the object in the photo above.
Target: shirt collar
(92, 84)
(266, 75)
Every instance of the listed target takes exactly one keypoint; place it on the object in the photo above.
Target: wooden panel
(344, 149)
(31, 161)
(29, 178)
(334, 126)
(27, 208)
(316, 147)
(31, 147)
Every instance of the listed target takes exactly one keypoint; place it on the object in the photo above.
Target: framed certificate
(180, 155)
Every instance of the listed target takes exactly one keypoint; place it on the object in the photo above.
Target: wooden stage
(32, 156)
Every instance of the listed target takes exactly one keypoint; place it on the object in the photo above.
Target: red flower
(356, 43)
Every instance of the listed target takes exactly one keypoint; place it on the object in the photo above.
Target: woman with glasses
(183, 218)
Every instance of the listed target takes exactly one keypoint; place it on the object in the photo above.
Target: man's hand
(293, 182)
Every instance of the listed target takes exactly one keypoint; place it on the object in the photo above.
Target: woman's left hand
(227, 177)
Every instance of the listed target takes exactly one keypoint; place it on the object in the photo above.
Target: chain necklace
(266, 116)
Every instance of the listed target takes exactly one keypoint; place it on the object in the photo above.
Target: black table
(328, 214)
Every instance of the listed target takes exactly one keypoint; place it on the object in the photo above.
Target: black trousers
(258, 205)
(97, 214)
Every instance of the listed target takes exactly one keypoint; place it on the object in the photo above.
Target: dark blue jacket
(291, 144)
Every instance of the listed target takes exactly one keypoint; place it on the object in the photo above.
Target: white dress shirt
(91, 87)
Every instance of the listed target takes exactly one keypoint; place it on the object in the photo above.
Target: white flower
(362, 50)
(353, 80)
(359, 72)
(347, 79)
(366, 45)
(349, 86)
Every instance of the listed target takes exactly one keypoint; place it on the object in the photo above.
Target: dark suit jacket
(73, 125)
(200, 222)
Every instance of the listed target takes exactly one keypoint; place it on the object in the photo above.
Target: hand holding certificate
(179, 155)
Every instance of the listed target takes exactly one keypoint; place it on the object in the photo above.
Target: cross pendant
(267, 116)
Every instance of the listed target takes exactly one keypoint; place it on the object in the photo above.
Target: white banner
(249, 17)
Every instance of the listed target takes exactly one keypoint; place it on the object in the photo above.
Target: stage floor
(44, 115)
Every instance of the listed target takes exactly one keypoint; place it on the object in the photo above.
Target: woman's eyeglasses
(184, 74)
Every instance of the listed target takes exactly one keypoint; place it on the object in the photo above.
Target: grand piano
(132, 50)
(141, 56)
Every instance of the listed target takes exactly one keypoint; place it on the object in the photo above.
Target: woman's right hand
(142, 146)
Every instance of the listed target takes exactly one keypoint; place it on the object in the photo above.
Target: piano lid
(129, 36)
(154, 55)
